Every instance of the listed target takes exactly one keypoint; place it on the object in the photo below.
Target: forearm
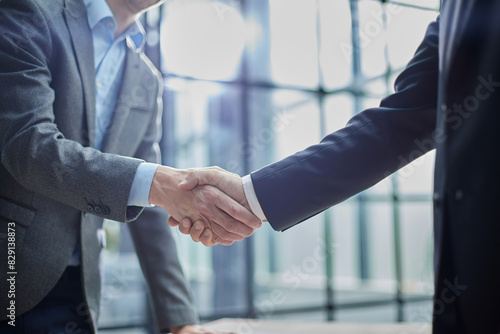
(345, 163)
(374, 144)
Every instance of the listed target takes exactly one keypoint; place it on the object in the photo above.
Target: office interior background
(248, 82)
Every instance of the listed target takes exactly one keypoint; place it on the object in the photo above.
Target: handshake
(207, 203)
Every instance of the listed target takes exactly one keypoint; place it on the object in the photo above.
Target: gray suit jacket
(55, 187)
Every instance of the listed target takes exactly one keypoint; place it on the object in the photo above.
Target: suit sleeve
(374, 144)
(32, 148)
(157, 253)
(156, 247)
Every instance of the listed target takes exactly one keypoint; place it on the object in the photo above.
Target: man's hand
(226, 218)
(227, 182)
(195, 329)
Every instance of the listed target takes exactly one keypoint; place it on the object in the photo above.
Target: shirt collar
(98, 10)
(137, 34)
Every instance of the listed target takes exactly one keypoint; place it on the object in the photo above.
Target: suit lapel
(454, 19)
(133, 95)
(81, 39)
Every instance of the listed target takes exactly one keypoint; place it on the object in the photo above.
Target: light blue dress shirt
(109, 60)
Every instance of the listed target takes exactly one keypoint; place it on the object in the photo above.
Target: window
(250, 82)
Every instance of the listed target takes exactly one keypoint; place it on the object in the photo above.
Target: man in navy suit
(447, 98)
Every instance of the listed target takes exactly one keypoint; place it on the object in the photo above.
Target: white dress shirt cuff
(139, 193)
(252, 199)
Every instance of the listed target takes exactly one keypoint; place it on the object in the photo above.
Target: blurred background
(248, 82)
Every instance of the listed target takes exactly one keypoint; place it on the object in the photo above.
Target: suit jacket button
(459, 194)
(437, 199)
(90, 208)
(105, 210)
(97, 209)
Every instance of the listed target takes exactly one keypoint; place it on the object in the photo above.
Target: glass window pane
(420, 315)
(385, 313)
(380, 244)
(405, 31)
(300, 267)
(336, 43)
(346, 244)
(282, 122)
(203, 39)
(339, 108)
(294, 54)
(432, 4)
(372, 38)
(417, 246)
(418, 177)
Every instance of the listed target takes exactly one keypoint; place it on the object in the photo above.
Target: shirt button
(99, 84)
(459, 194)
(111, 24)
(443, 107)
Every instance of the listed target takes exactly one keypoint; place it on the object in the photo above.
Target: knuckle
(215, 240)
(257, 223)
(201, 206)
(210, 193)
(233, 227)
(224, 235)
(208, 225)
(232, 210)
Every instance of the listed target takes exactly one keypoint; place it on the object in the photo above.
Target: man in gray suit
(79, 131)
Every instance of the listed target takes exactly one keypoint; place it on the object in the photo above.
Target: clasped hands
(207, 203)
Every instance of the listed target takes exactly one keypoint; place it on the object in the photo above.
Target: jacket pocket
(21, 216)
(16, 213)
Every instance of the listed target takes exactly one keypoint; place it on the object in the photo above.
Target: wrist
(251, 198)
(165, 181)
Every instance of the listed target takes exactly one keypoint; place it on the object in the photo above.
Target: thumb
(196, 178)
(189, 182)
(172, 222)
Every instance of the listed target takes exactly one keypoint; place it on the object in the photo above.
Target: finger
(172, 222)
(207, 237)
(225, 242)
(223, 225)
(243, 221)
(198, 177)
(185, 225)
(196, 230)
(190, 181)
(218, 230)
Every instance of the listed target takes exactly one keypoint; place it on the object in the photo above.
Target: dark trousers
(62, 311)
